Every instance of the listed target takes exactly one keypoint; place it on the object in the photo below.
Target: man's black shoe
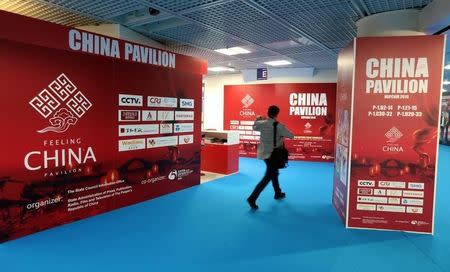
(252, 204)
(280, 196)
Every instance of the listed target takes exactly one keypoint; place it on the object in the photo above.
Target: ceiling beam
(112, 16)
(366, 9)
(212, 28)
(357, 8)
(147, 19)
(285, 24)
(233, 58)
(152, 19)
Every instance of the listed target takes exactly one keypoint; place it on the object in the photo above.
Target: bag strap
(275, 124)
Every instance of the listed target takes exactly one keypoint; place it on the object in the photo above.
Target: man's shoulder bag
(280, 155)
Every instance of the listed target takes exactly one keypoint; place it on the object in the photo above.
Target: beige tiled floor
(210, 176)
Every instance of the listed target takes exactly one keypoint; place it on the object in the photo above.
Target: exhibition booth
(94, 124)
(98, 123)
(307, 109)
(389, 92)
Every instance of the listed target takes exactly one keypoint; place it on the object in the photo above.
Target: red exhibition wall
(91, 123)
(393, 132)
(343, 112)
(307, 109)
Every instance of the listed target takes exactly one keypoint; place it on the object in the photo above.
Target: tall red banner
(343, 125)
(307, 109)
(86, 134)
(396, 108)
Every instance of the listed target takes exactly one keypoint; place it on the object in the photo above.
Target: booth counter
(220, 152)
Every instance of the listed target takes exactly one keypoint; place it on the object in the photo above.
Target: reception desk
(220, 152)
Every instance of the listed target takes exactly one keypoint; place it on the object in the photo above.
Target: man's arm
(257, 125)
(284, 132)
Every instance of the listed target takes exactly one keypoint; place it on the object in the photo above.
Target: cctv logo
(366, 183)
(62, 102)
(130, 100)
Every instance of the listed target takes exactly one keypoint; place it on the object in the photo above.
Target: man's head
(273, 111)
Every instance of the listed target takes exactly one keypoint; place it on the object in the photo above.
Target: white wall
(392, 23)
(214, 84)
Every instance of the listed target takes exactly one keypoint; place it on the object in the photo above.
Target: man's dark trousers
(270, 175)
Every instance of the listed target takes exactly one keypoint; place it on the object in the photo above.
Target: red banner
(397, 90)
(86, 134)
(32, 31)
(307, 109)
(343, 112)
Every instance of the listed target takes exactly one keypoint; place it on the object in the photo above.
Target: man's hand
(259, 117)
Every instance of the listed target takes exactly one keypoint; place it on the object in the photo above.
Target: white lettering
(128, 50)
(59, 158)
(27, 161)
(87, 42)
(371, 64)
(74, 40)
(397, 75)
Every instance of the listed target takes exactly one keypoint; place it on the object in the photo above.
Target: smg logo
(130, 100)
(61, 103)
(187, 103)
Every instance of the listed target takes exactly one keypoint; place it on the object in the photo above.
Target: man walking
(265, 147)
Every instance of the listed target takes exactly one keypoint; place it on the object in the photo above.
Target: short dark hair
(273, 111)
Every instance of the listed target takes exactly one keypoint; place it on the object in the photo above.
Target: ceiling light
(233, 51)
(278, 62)
(221, 69)
(447, 67)
(446, 82)
(444, 90)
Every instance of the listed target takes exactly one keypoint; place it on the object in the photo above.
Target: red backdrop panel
(395, 124)
(307, 109)
(82, 138)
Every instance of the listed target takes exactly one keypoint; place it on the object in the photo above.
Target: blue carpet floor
(210, 228)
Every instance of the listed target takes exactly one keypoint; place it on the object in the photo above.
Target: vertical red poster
(92, 126)
(343, 114)
(395, 125)
(307, 109)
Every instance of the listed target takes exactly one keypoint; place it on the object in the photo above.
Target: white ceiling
(308, 33)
